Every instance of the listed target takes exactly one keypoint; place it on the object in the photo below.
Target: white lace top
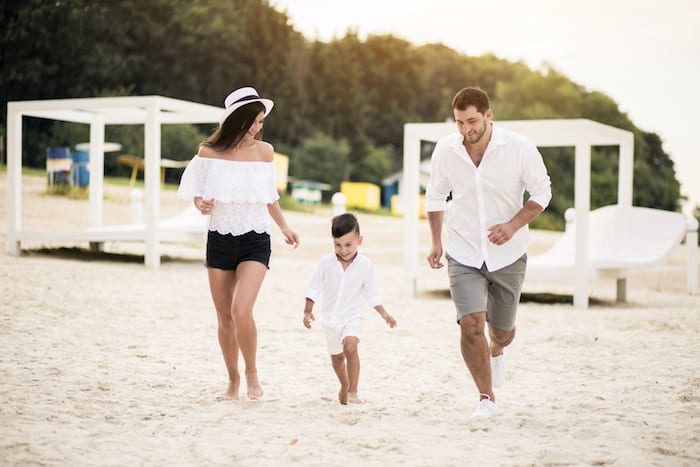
(242, 190)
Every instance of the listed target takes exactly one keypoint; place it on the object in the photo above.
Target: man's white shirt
(483, 196)
(345, 292)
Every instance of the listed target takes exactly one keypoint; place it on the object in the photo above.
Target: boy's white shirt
(343, 290)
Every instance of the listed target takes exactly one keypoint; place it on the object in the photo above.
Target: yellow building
(397, 209)
(281, 171)
(361, 195)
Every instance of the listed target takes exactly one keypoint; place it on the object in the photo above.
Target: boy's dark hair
(344, 224)
(471, 96)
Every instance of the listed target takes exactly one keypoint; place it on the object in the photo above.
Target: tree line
(340, 106)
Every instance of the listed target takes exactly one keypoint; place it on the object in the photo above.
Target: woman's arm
(290, 236)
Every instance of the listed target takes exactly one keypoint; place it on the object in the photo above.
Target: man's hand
(435, 256)
(501, 233)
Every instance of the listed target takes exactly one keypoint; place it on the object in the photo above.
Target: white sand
(106, 362)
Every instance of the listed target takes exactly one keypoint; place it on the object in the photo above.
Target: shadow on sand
(85, 254)
(536, 297)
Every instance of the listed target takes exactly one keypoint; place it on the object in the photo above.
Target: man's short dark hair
(471, 96)
(344, 224)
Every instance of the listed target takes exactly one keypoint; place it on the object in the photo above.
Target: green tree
(321, 158)
(391, 72)
(359, 92)
(373, 167)
(655, 183)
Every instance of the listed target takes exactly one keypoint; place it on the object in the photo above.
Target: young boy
(344, 278)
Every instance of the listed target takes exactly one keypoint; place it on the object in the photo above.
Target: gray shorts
(476, 289)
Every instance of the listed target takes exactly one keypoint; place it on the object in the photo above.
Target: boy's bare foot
(343, 395)
(353, 398)
(255, 390)
(231, 392)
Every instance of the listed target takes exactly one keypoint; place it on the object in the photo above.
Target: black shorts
(228, 251)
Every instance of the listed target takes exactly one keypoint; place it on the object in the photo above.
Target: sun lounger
(620, 239)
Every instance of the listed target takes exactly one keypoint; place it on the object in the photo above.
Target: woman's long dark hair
(234, 128)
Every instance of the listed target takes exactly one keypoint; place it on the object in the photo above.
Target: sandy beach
(105, 362)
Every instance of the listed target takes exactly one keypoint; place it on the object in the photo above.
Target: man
(487, 169)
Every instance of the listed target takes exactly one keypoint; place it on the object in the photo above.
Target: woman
(232, 179)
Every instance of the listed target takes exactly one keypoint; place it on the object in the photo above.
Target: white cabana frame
(151, 111)
(579, 133)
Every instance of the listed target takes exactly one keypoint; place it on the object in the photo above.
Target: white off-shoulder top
(242, 190)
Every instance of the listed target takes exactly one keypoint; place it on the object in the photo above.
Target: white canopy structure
(579, 133)
(151, 111)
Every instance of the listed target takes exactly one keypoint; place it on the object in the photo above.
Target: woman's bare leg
(222, 284)
(249, 278)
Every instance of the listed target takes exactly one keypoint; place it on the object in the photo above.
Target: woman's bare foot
(343, 395)
(255, 390)
(231, 392)
(353, 398)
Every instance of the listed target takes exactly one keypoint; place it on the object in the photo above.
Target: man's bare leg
(353, 366)
(499, 340)
(338, 362)
(475, 352)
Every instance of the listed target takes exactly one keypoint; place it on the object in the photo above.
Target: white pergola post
(625, 171)
(96, 167)
(691, 245)
(624, 194)
(409, 199)
(582, 203)
(151, 176)
(14, 178)
(151, 111)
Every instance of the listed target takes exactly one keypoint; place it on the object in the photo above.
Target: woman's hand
(290, 237)
(204, 205)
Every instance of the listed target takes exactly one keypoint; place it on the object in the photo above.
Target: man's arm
(501, 233)
(436, 193)
(538, 187)
(435, 219)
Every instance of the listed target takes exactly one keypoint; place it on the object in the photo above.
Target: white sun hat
(241, 97)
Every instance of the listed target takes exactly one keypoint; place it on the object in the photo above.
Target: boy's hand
(389, 319)
(308, 319)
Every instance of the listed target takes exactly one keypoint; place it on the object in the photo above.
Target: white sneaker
(498, 370)
(485, 409)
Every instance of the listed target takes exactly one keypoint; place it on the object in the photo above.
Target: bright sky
(644, 54)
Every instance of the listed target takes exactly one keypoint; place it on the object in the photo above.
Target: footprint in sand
(585, 434)
(350, 421)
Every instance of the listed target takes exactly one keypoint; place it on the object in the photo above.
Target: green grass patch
(69, 191)
(111, 180)
(382, 211)
(548, 221)
(288, 203)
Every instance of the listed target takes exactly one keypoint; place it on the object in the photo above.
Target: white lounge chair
(189, 225)
(620, 239)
